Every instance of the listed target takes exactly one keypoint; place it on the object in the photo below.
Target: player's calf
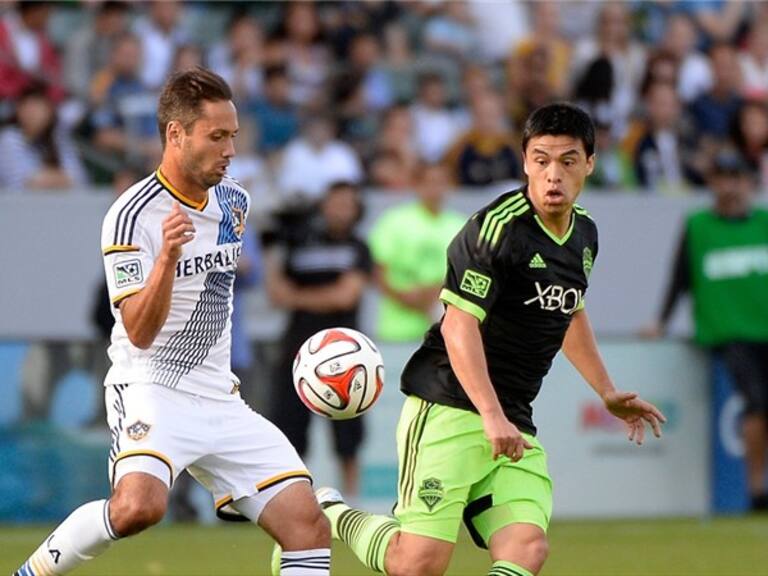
(412, 555)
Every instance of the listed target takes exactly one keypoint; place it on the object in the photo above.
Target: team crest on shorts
(431, 492)
(138, 430)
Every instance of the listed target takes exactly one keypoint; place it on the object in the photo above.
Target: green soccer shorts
(447, 474)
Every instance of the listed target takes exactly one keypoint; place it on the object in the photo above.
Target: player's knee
(538, 550)
(132, 515)
(402, 561)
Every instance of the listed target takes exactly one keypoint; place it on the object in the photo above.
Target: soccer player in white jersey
(170, 246)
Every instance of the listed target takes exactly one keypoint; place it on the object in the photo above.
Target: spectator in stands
(545, 37)
(88, 49)
(239, 57)
(716, 21)
(657, 144)
(451, 32)
(308, 58)
(399, 62)
(408, 244)
(486, 152)
(160, 32)
(37, 151)
(713, 111)
(187, 57)
(320, 281)
(661, 67)
(754, 61)
(364, 61)
(613, 41)
(721, 262)
(694, 72)
(435, 125)
(750, 135)
(395, 158)
(276, 116)
(313, 161)
(27, 55)
(122, 118)
(357, 124)
(615, 171)
(529, 86)
(500, 26)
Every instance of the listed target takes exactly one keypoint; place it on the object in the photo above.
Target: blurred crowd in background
(368, 91)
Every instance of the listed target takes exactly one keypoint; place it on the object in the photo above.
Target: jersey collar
(199, 206)
(548, 232)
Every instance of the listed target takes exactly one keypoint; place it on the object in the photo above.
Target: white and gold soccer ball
(338, 373)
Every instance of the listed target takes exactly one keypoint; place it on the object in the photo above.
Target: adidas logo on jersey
(537, 261)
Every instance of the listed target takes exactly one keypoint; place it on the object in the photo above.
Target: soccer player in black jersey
(514, 295)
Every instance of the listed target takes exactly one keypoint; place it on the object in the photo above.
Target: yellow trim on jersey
(280, 477)
(199, 206)
(119, 248)
(221, 502)
(152, 453)
(38, 567)
(120, 297)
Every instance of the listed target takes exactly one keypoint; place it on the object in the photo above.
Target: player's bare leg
(139, 501)
(519, 549)
(294, 519)
(413, 555)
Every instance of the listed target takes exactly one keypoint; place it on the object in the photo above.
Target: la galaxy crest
(238, 221)
(138, 430)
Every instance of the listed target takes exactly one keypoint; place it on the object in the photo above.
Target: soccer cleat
(327, 496)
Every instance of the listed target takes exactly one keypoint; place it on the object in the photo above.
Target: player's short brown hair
(183, 96)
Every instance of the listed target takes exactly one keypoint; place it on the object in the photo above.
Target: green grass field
(729, 546)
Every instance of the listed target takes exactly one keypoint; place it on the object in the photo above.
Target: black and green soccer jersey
(523, 284)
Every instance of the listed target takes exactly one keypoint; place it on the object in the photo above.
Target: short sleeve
(364, 262)
(127, 266)
(383, 239)
(475, 277)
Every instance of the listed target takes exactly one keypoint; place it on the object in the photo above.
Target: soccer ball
(338, 373)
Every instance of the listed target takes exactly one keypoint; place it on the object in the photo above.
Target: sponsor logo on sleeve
(475, 283)
(128, 272)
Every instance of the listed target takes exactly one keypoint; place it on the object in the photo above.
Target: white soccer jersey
(192, 350)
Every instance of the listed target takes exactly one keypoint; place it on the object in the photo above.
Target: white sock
(85, 534)
(306, 562)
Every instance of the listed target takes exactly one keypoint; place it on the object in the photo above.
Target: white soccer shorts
(230, 449)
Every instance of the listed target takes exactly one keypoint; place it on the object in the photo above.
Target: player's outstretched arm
(145, 312)
(464, 343)
(581, 350)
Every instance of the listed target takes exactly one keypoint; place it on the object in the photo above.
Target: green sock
(367, 535)
(504, 568)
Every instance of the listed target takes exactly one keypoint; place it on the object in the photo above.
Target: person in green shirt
(722, 261)
(408, 245)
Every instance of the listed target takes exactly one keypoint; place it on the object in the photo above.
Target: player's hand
(635, 412)
(505, 438)
(177, 231)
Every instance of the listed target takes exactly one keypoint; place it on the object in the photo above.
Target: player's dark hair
(561, 119)
(183, 96)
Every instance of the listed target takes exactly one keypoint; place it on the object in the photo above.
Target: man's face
(209, 146)
(556, 167)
